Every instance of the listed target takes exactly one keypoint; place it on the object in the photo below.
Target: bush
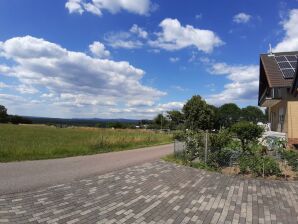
(203, 166)
(221, 158)
(258, 165)
(179, 136)
(219, 140)
(235, 144)
(246, 132)
(194, 146)
(292, 158)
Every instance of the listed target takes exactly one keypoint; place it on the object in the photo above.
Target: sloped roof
(273, 74)
(294, 89)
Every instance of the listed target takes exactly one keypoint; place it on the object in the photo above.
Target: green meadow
(32, 142)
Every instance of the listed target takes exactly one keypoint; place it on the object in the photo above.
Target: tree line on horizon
(197, 114)
(14, 119)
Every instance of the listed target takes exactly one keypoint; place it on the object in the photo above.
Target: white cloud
(199, 16)
(89, 7)
(174, 59)
(74, 6)
(290, 40)
(155, 51)
(122, 40)
(22, 88)
(3, 85)
(241, 18)
(139, 31)
(179, 88)
(99, 50)
(73, 79)
(243, 86)
(174, 36)
(132, 39)
(140, 103)
(150, 112)
(96, 7)
(8, 98)
(26, 89)
(211, 87)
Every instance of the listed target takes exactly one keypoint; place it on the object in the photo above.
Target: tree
(175, 118)
(15, 119)
(198, 114)
(228, 114)
(3, 114)
(216, 124)
(160, 121)
(253, 114)
(246, 132)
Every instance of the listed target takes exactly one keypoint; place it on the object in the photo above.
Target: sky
(135, 58)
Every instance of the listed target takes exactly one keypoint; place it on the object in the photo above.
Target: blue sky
(137, 58)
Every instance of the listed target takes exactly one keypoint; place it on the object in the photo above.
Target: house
(278, 92)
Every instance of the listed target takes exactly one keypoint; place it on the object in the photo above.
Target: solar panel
(294, 64)
(280, 58)
(288, 73)
(283, 65)
(291, 58)
(287, 65)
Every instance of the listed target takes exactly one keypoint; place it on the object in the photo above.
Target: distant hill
(80, 121)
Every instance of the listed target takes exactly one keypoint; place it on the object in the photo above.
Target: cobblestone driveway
(156, 192)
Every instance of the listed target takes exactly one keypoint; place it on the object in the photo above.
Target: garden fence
(204, 153)
(203, 150)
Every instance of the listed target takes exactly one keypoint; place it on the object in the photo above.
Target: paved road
(28, 175)
(156, 192)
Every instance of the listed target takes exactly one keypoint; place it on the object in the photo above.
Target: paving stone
(156, 192)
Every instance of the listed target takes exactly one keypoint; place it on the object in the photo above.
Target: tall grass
(29, 142)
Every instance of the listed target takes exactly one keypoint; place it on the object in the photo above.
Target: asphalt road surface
(28, 175)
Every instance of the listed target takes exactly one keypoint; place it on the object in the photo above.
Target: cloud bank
(71, 79)
(96, 7)
(290, 39)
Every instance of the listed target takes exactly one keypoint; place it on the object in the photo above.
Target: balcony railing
(272, 94)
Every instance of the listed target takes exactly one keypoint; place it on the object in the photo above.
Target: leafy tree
(246, 132)
(160, 121)
(216, 124)
(228, 114)
(175, 118)
(198, 114)
(253, 114)
(3, 114)
(15, 119)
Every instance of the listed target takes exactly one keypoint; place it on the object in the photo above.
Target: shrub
(221, 158)
(201, 165)
(292, 158)
(274, 143)
(179, 136)
(234, 144)
(219, 140)
(194, 146)
(246, 132)
(258, 165)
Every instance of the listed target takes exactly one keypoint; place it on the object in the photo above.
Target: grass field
(28, 142)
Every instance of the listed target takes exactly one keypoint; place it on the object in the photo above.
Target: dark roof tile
(274, 76)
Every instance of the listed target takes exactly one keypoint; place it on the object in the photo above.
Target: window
(281, 118)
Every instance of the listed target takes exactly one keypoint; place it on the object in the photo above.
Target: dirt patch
(233, 170)
(287, 173)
